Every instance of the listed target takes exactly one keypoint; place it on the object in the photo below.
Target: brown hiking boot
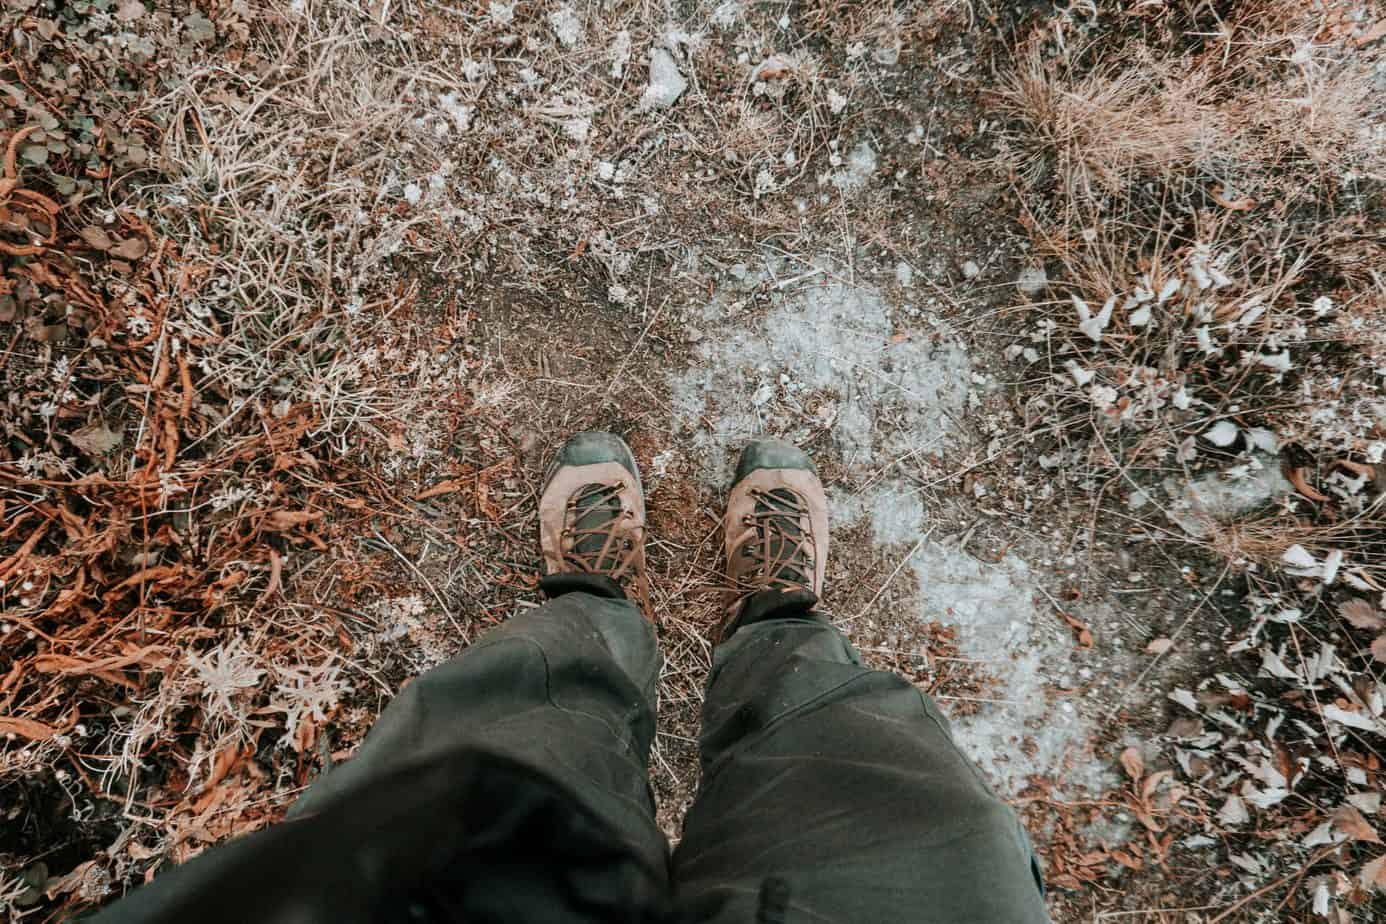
(776, 526)
(592, 517)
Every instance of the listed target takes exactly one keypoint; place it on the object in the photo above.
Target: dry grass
(1216, 196)
(1201, 191)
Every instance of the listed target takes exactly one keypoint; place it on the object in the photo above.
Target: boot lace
(777, 547)
(597, 539)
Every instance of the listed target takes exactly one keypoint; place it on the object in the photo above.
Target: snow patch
(1022, 731)
(666, 83)
(826, 356)
(1198, 506)
(796, 350)
(566, 26)
(860, 168)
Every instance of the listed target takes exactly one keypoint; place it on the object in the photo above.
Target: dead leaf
(224, 763)
(1185, 727)
(138, 851)
(1373, 875)
(96, 439)
(1159, 646)
(283, 520)
(1379, 649)
(443, 487)
(484, 503)
(483, 487)
(1081, 632)
(1350, 822)
(1362, 614)
(72, 882)
(1133, 763)
(1244, 204)
(97, 238)
(154, 657)
(1296, 477)
(132, 248)
(1154, 780)
(1127, 858)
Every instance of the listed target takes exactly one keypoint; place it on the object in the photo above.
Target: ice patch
(566, 26)
(1023, 732)
(861, 166)
(666, 83)
(825, 357)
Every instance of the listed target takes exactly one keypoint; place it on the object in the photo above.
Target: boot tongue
(786, 538)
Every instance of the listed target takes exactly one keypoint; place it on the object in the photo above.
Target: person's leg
(510, 783)
(830, 792)
(567, 688)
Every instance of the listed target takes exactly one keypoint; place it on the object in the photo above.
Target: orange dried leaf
(1373, 875)
(1349, 821)
(1133, 763)
(1152, 781)
(1081, 632)
(130, 249)
(26, 728)
(1244, 204)
(97, 238)
(439, 489)
(1159, 646)
(1362, 614)
(1296, 478)
(150, 576)
(283, 520)
(1127, 859)
(1371, 35)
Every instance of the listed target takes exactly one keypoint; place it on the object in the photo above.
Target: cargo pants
(511, 784)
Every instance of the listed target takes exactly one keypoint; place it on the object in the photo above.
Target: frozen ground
(826, 357)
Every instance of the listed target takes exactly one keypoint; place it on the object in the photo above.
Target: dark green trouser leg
(507, 785)
(567, 688)
(834, 793)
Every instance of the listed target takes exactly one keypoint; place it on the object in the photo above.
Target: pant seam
(773, 725)
(622, 734)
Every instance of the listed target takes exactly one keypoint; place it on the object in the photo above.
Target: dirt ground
(399, 251)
